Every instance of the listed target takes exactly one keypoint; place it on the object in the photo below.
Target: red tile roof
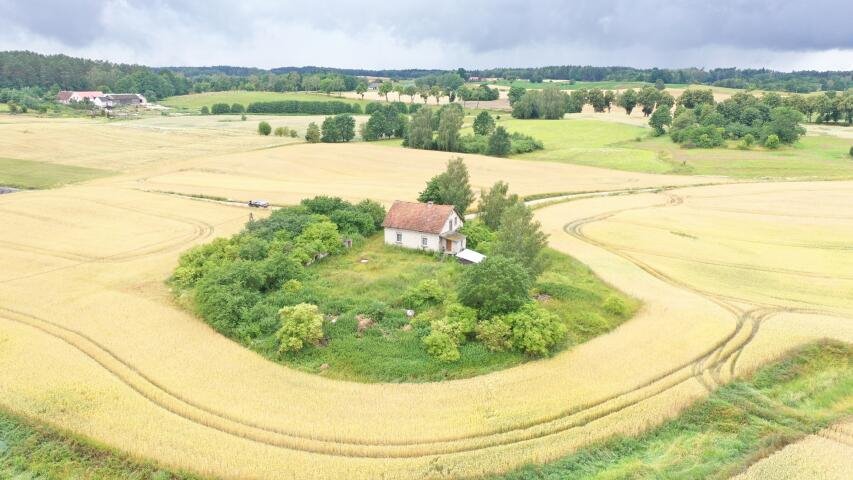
(63, 95)
(418, 217)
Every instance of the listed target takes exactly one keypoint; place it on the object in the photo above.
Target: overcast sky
(783, 35)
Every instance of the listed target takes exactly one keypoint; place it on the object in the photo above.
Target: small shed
(469, 256)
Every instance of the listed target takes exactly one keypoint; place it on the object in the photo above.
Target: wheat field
(91, 341)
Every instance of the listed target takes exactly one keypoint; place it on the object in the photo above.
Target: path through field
(91, 342)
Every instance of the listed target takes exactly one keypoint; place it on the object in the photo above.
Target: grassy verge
(737, 426)
(31, 174)
(390, 351)
(28, 451)
(195, 101)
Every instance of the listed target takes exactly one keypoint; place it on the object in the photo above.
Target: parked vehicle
(259, 203)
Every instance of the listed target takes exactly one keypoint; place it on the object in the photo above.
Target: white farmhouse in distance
(424, 226)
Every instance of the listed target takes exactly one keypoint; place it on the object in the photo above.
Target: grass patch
(735, 427)
(389, 351)
(589, 142)
(193, 102)
(30, 174)
(813, 157)
(34, 452)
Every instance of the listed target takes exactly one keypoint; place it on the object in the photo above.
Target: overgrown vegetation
(738, 425)
(288, 288)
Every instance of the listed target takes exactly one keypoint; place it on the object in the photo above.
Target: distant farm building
(118, 100)
(424, 226)
(67, 96)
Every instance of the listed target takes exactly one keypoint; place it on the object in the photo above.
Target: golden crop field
(92, 342)
(825, 455)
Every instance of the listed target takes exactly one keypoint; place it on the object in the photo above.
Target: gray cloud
(441, 33)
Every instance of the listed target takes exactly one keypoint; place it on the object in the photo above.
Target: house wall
(412, 239)
(454, 220)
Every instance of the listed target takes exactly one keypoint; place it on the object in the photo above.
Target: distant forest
(41, 75)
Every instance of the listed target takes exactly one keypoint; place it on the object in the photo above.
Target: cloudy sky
(784, 35)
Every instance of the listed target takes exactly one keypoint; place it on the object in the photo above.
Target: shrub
(238, 108)
(312, 135)
(293, 133)
(615, 306)
(496, 286)
(441, 346)
(205, 110)
(746, 141)
(535, 330)
(484, 124)
(282, 131)
(495, 334)
(499, 143)
(243, 117)
(425, 293)
(264, 128)
(220, 108)
(291, 286)
(772, 141)
(521, 143)
(851, 151)
(300, 324)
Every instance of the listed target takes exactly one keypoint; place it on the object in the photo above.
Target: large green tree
(500, 143)
(484, 123)
(450, 119)
(496, 286)
(520, 238)
(420, 130)
(451, 187)
(494, 202)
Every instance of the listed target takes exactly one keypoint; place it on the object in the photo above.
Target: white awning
(470, 256)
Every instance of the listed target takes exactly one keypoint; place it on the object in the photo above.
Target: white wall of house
(412, 239)
(453, 223)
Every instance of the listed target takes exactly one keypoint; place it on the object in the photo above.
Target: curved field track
(90, 340)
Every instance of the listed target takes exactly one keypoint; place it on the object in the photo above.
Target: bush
(441, 346)
(243, 117)
(535, 330)
(205, 110)
(238, 108)
(461, 320)
(499, 143)
(615, 306)
(300, 325)
(521, 143)
(220, 108)
(293, 133)
(496, 286)
(746, 142)
(851, 151)
(495, 334)
(312, 135)
(426, 293)
(264, 128)
(484, 124)
(282, 131)
(772, 141)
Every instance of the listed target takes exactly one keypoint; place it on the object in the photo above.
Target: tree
(484, 124)
(205, 110)
(520, 238)
(609, 99)
(455, 188)
(264, 128)
(693, 97)
(515, 93)
(659, 84)
(785, 124)
(385, 88)
(337, 129)
(532, 330)
(312, 134)
(450, 119)
(628, 100)
(499, 143)
(435, 91)
(420, 130)
(424, 93)
(432, 191)
(411, 91)
(493, 204)
(596, 99)
(361, 87)
(238, 108)
(399, 90)
(660, 118)
(648, 98)
(300, 325)
(496, 286)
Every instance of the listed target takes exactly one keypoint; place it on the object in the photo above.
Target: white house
(424, 226)
(67, 96)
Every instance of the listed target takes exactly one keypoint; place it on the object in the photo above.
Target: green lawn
(389, 353)
(31, 174)
(195, 101)
(813, 157)
(734, 428)
(4, 107)
(589, 142)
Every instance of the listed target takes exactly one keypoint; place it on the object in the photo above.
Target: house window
(423, 241)
(399, 237)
